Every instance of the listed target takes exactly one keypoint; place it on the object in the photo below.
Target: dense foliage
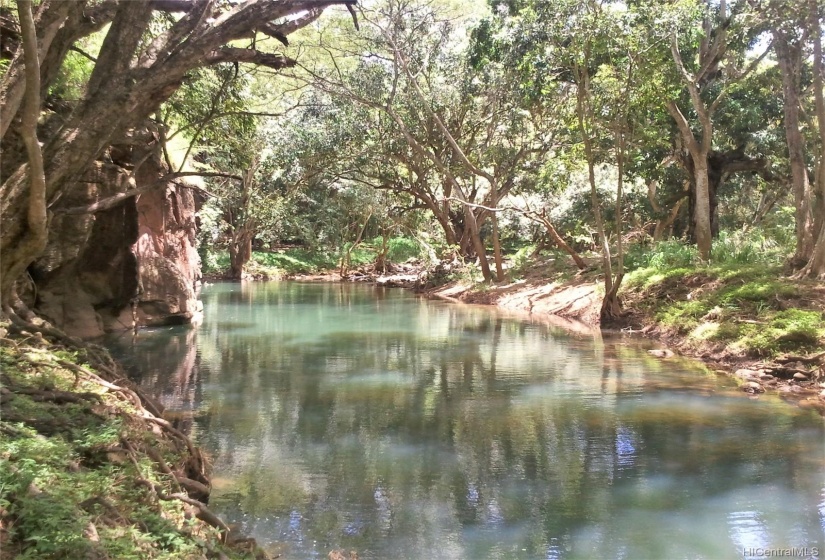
(476, 130)
(586, 125)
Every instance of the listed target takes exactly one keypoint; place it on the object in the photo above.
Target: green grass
(731, 250)
(683, 316)
(759, 291)
(292, 261)
(783, 331)
(650, 276)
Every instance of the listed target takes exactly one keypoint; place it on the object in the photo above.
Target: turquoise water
(349, 417)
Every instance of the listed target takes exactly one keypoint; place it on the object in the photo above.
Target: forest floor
(751, 322)
(89, 468)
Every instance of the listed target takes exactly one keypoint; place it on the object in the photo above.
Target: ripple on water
(377, 379)
(748, 530)
(230, 326)
(822, 510)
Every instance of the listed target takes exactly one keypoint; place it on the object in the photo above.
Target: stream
(341, 416)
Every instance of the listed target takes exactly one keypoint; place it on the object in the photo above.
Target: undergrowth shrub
(401, 249)
(213, 261)
(521, 259)
(295, 260)
(754, 247)
(662, 256)
(748, 247)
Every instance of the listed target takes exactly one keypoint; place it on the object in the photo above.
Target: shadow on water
(340, 416)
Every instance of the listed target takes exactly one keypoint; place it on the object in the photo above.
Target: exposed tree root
(201, 511)
(804, 359)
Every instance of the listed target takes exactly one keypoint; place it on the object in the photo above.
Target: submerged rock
(745, 373)
(752, 387)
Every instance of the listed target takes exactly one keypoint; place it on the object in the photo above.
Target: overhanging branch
(112, 201)
(252, 56)
(280, 32)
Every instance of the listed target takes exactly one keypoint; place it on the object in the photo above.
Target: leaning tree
(148, 51)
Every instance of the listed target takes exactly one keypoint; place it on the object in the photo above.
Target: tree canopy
(592, 123)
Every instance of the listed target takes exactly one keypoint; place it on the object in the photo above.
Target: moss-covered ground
(86, 471)
(752, 311)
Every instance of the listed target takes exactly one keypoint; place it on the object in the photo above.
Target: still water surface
(346, 416)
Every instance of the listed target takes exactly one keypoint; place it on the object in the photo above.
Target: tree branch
(684, 128)
(50, 17)
(439, 122)
(173, 5)
(252, 56)
(112, 201)
(183, 27)
(83, 53)
(690, 81)
(739, 77)
(280, 32)
(37, 217)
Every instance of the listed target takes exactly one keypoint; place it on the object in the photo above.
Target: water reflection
(343, 416)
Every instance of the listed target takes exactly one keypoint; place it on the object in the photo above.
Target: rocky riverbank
(729, 329)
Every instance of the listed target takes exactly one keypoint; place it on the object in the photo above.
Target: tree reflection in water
(367, 419)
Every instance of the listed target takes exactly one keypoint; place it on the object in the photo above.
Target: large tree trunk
(73, 150)
(35, 235)
(50, 17)
(240, 251)
(126, 87)
(477, 243)
(720, 165)
(790, 62)
(815, 268)
(450, 236)
(696, 162)
(497, 250)
(701, 211)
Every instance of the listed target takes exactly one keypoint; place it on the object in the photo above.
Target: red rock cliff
(131, 265)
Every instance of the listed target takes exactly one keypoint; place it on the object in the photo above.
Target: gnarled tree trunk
(126, 86)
